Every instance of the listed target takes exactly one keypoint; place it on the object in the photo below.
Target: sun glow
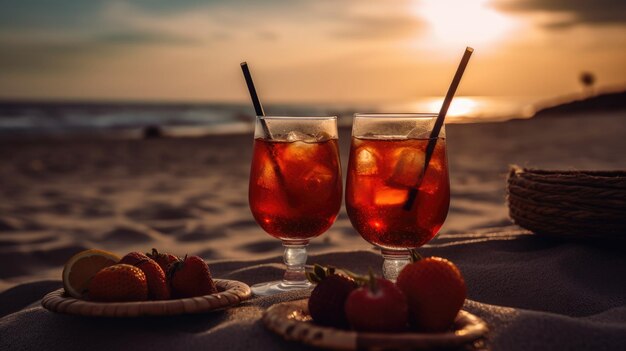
(460, 106)
(463, 22)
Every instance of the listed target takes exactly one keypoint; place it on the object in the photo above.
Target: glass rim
(419, 115)
(299, 117)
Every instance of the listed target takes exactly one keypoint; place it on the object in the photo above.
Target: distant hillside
(600, 103)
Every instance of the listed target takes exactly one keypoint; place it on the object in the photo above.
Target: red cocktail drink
(380, 174)
(295, 187)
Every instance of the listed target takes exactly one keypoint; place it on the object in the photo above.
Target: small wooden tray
(292, 321)
(231, 293)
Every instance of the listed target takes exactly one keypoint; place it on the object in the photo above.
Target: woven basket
(572, 204)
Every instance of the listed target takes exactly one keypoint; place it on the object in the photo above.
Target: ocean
(132, 119)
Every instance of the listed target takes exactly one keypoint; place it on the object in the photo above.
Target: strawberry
(378, 306)
(328, 299)
(191, 277)
(435, 291)
(120, 282)
(158, 288)
(163, 259)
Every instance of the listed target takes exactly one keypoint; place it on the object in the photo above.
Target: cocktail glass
(295, 188)
(387, 163)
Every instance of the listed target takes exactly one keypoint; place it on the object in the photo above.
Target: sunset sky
(306, 51)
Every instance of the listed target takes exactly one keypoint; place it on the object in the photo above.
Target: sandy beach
(189, 195)
(128, 125)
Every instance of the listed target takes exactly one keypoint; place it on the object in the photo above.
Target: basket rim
(618, 173)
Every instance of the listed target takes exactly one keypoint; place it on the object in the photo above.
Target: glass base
(394, 262)
(279, 286)
(294, 277)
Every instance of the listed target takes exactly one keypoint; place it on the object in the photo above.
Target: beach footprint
(170, 227)
(125, 234)
(93, 208)
(201, 233)
(238, 204)
(208, 254)
(205, 202)
(11, 224)
(243, 224)
(58, 256)
(165, 187)
(34, 241)
(161, 211)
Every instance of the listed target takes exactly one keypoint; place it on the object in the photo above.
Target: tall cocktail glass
(387, 158)
(295, 188)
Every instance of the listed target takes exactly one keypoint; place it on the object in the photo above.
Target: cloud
(594, 12)
(79, 40)
(267, 35)
(30, 14)
(142, 37)
(36, 55)
(378, 27)
(68, 37)
(38, 58)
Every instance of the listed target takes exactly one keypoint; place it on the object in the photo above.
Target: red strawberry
(191, 277)
(435, 291)
(328, 299)
(163, 259)
(120, 282)
(158, 288)
(377, 307)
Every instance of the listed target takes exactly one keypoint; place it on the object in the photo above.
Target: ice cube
(267, 178)
(429, 187)
(436, 164)
(409, 168)
(433, 178)
(319, 179)
(362, 194)
(322, 136)
(390, 196)
(366, 161)
(295, 135)
(299, 151)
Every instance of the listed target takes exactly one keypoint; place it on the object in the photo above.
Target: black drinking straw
(258, 108)
(434, 134)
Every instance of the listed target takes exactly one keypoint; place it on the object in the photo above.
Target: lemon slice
(79, 270)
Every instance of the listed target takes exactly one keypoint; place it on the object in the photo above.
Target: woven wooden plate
(292, 321)
(231, 293)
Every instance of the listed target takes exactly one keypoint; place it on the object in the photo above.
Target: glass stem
(295, 259)
(394, 261)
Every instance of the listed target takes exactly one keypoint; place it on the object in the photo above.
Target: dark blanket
(535, 294)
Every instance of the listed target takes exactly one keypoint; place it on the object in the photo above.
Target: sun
(460, 106)
(463, 22)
